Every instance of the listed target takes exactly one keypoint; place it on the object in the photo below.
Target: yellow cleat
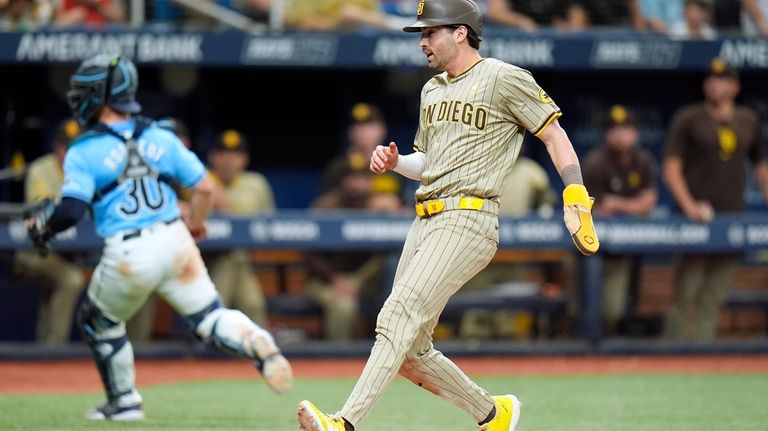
(507, 414)
(312, 419)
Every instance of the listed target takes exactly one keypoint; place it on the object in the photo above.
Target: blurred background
(285, 99)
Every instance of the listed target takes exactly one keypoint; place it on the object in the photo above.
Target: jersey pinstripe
(471, 128)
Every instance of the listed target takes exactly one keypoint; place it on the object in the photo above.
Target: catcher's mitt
(37, 217)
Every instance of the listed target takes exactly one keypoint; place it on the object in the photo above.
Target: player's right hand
(577, 214)
(198, 230)
(384, 158)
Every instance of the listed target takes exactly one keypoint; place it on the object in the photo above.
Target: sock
(348, 426)
(490, 417)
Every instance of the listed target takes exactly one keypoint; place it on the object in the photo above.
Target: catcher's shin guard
(233, 332)
(112, 351)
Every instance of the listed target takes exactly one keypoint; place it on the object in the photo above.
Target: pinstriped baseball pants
(441, 253)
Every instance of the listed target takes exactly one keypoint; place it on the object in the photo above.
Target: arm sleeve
(67, 213)
(525, 103)
(411, 165)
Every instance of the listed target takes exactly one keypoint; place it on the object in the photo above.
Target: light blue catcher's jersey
(95, 161)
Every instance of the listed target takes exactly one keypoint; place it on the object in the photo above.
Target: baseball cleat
(114, 412)
(507, 414)
(312, 419)
(274, 367)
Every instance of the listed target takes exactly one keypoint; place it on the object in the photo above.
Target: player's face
(621, 138)
(366, 136)
(228, 164)
(720, 88)
(439, 45)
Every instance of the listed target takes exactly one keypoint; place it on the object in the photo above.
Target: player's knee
(105, 335)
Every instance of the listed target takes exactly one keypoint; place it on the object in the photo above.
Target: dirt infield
(80, 376)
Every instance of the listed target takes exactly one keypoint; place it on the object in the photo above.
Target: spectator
(705, 171)
(61, 279)
(661, 16)
(501, 12)
(527, 192)
(89, 13)
(754, 17)
(338, 15)
(579, 15)
(622, 178)
(237, 193)
(339, 278)
(385, 196)
(367, 129)
(698, 14)
(24, 15)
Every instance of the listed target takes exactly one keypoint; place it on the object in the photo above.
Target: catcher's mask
(103, 80)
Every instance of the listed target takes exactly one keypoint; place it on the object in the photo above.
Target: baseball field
(569, 394)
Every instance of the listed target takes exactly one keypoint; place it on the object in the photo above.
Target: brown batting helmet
(434, 13)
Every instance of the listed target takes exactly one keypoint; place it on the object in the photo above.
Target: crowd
(688, 19)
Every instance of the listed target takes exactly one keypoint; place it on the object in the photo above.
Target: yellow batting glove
(577, 214)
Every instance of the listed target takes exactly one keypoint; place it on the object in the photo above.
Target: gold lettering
(466, 114)
(430, 113)
(481, 117)
(441, 114)
(456, 108)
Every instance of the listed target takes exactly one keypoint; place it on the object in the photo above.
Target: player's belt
(137, 233)
(429, 208)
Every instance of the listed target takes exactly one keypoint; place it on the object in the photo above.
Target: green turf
(572, 403)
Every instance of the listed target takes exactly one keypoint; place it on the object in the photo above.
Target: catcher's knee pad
(229, 330)
(111, 349)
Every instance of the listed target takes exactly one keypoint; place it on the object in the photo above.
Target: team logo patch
(728, 142)
(634, 179)
(420, 8)
(544, 97)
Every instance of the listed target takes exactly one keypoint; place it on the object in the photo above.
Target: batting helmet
(433, 13)
(103, 80)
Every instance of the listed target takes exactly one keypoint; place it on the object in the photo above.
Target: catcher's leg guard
(233, 332)
(112, 353)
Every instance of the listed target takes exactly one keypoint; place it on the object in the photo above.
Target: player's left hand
(577, 214)
(37, 225)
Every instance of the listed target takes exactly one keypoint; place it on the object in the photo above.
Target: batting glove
(577, 214)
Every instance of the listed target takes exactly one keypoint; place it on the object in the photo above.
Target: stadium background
(290, 94)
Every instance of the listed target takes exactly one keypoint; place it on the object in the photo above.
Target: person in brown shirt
(337, 279)
(704, 169)
(621, 176)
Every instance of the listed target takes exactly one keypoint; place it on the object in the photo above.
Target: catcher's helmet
(433, 13)
(103, 80)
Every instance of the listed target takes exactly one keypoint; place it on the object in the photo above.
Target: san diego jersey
(94, 162)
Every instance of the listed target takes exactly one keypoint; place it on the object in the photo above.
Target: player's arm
(48, 219)
(577, 204)
(388, 158)
(761, 176)
(199, 207)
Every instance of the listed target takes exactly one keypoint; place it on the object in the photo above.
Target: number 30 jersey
(94, 162)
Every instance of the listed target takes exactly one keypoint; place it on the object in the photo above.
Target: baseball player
(121, 167)
(473, 118)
